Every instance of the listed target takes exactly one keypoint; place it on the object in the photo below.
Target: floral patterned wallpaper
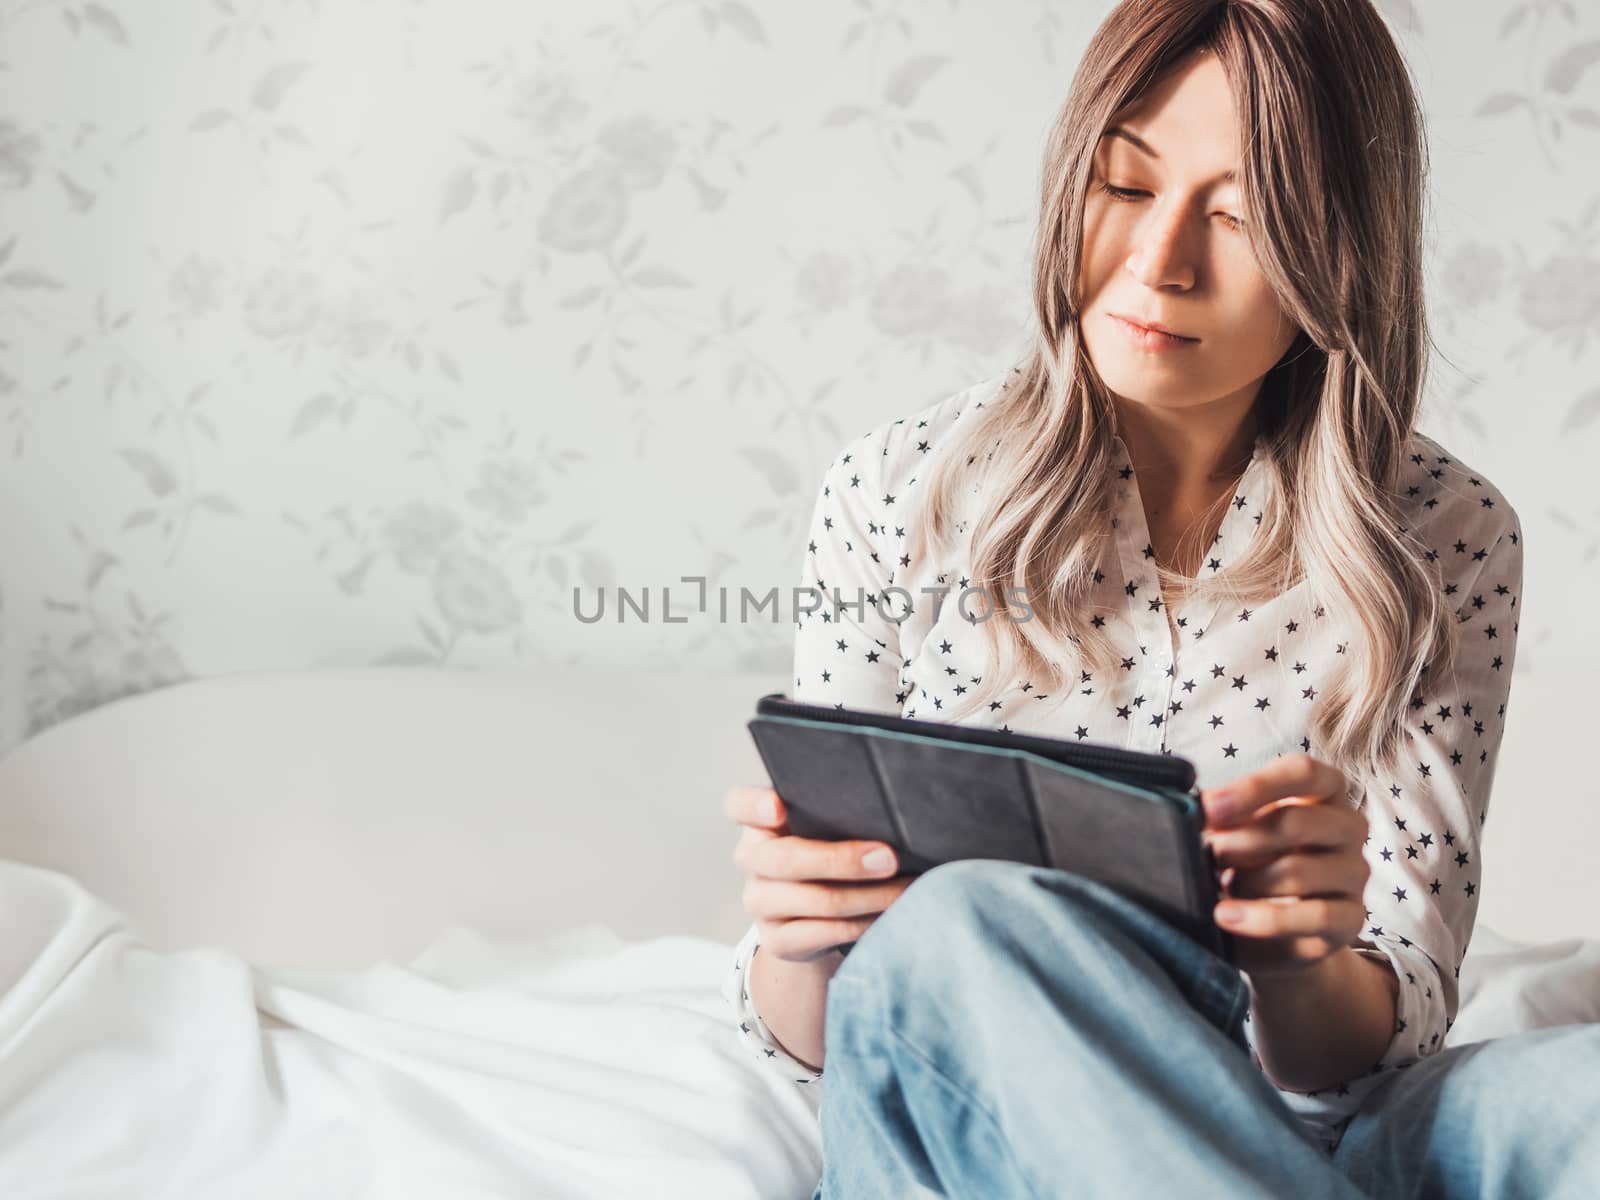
(340, 332)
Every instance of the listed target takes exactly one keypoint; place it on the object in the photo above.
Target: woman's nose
(1161, 257)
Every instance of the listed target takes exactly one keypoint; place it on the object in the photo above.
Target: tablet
(938, 791)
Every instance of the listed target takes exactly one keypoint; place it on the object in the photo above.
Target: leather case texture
(938, 791)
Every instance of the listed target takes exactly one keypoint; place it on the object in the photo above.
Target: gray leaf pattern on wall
(1547, 99)
(356, 332)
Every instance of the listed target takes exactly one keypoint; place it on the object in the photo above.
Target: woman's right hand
(807, 896)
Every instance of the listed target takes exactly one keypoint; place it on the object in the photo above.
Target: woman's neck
(1187, 455)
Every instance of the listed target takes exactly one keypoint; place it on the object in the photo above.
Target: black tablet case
(938, 791)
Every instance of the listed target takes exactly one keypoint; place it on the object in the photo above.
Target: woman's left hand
(1288, 846)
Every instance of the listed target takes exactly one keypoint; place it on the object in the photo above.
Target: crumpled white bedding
(1510, 987)
(577, 1066)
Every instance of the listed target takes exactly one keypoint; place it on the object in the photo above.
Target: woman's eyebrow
(1133, 139)
(1127, 135)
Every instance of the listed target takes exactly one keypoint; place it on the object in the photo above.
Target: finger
(758, 806)
(803, 939)
(1316, 917)
(793, 857)
(1285, 830)
(786, 899)
(1289, 775)
(749, 837)
(1305, 828)
(1330, 875)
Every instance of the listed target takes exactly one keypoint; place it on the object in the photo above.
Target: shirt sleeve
(846, 648)
(847, 622)
(1425, 820)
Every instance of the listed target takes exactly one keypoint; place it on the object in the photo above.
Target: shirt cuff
(736, 992)
(1424, 1003)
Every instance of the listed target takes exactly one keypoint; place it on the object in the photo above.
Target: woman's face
(1163, 247)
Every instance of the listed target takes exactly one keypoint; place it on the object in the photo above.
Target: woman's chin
(1153, 380)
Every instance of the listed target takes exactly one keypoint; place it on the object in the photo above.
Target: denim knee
(918, 926)
(1555, 1068)
(971, 918)
(948, 919)
(1513, 1115)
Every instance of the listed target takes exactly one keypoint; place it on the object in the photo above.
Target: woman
(1234, 545)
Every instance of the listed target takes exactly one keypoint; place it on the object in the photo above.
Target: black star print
(843, 663)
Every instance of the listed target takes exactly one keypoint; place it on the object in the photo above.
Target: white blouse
(1231, 688)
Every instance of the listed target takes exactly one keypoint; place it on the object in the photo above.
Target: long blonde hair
(1332, 178)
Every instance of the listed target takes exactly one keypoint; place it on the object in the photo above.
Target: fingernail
(1230, 913)
(878, 860)
(1222, 804)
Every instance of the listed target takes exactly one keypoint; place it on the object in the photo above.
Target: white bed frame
(336, 818)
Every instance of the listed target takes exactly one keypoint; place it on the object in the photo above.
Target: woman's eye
(1122, 193)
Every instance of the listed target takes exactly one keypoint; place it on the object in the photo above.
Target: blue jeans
(1013, 1031)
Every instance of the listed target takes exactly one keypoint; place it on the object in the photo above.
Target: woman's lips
(1151, 339)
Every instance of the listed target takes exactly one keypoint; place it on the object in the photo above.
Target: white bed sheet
(580, 1065)
(1510, 987)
